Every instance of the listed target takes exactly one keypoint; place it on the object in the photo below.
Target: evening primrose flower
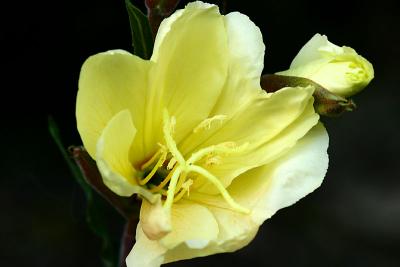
(191, 132)
(339, 69)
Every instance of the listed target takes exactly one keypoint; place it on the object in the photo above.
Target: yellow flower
(193, 134)
(339, 69)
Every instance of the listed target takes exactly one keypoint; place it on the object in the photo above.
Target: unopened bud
(338, 69)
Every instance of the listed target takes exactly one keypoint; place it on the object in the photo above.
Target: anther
(222, 148)
(185, 189)
(170, 143)
(206, 124)
(181, 180)
(171, 163)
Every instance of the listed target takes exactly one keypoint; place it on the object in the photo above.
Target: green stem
(55, 134)
(125, 206)
(127, 240)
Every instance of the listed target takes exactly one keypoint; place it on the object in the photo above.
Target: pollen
(206, 124)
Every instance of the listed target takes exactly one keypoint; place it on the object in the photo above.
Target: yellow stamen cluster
(179, 182)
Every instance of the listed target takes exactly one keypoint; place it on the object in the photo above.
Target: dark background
(353, 219)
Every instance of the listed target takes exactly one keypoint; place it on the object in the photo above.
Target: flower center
(167, 171)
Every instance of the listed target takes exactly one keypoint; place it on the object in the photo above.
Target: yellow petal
(190, 69)
(192, 224)
(258, 121)
(110, 82)
(311, 51)
(260, 125)
(246, 47)
(193, 229)
(155, 220)
(282, 183)
(264, 117)
(268, 151)
(246, 62)
(145, 252)
(112, 156)
(236, 230)
(264, 190)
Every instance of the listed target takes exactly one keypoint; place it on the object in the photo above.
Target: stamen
(151, 160)
(155, 168)
(214, 180)
(213, 160)
(181, 180)
(171, 188)
(178, 185)
(171, 163)
(164, 182)
(167, 129)
(185, 188)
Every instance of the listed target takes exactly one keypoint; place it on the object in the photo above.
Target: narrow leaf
(100, 216)
(55, 134)
(142, 40)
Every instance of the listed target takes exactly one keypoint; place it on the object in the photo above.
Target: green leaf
(102, 219)
(142, 40)
(55, 134)
(100, 216)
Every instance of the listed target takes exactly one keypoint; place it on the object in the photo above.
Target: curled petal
(194, 227)
(112, 157)
(246, 62)
(110, 82)
(282, 183)
(190, 67)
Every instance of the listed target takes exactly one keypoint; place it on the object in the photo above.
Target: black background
(353, 219)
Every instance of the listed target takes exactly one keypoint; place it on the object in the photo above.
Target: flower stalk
(127, 207)
(128, 239)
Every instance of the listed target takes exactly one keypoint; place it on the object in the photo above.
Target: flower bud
(339, 69)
